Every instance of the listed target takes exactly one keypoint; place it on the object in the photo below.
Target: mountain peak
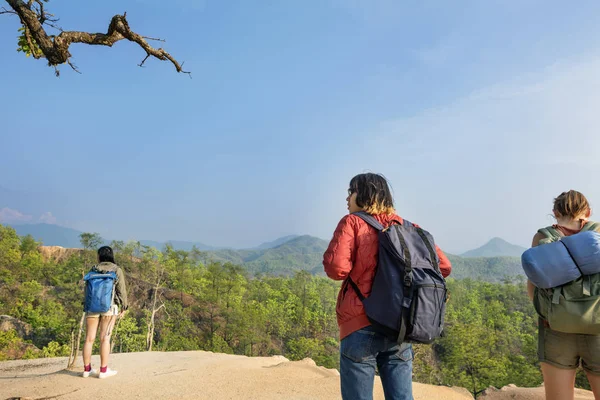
(496, 247)
(498, 240)
(276, 242)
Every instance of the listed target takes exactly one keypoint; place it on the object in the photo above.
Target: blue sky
(479, 113)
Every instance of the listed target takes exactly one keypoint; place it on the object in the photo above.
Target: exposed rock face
(8, 323)
(57, 253)
(537, 393)
(19, 349)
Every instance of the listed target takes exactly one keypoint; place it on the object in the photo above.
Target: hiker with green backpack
(569, 313)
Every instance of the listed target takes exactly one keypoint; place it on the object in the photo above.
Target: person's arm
(122, 289)
(530, 286)
(445, 264)
(337, 259)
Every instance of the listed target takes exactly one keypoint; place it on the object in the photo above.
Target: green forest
(184, 300)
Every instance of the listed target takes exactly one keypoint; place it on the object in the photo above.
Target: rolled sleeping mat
(549, 265)
(585, 249)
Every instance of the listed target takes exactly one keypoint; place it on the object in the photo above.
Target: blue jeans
(365, 349)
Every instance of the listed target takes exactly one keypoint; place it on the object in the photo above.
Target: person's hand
(122, 313)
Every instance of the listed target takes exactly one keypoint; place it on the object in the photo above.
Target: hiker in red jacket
(353, 250)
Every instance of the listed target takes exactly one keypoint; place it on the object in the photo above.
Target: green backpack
(575, 306)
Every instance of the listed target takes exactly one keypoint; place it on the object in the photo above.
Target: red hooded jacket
(353, 252)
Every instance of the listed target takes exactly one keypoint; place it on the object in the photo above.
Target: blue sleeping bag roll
(554, 264)
(585, 249)
(549, 265)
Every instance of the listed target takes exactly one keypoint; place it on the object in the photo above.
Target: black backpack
(408, 297)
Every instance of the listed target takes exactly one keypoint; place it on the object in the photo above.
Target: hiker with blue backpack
(105, 299)
(563, 270)
(393, 291)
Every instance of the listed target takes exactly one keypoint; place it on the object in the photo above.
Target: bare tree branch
(73, 66)
(151, 38)
(56, 48)
(40, 11)
(3, 10)
(144, 60)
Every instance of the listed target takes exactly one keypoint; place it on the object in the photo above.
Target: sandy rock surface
(206, 375)
(514, 392)
(188, 375)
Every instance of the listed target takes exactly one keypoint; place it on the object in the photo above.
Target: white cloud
(10, 216)
(47, 218)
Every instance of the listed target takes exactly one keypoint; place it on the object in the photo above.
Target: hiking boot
(109, 372)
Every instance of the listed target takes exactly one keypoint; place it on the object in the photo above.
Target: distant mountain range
(491, 269)
(493, 261)
(55, 235)
(50, 235)
(496, 247)
(297, 253)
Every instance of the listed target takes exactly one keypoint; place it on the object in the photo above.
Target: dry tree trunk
(72, 346)
(150, 326)
(75, 353)
(150, 334)
(113, 339)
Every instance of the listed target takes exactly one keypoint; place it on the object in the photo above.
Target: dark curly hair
(373, 193)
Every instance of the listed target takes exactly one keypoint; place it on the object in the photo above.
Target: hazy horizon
(225, 246)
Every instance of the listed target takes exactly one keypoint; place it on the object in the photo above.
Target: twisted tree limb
(55, 48)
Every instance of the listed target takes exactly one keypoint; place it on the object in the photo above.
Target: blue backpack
(408, 298)
(99, 291)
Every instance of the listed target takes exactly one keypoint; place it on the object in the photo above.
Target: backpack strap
(369, 219)
(591, 226)
(432, 253)
(551, 233)
(356, 289)
(587, 279)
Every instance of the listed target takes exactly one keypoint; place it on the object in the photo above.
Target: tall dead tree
(150, 326)
(75, 344)
(159, 274)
